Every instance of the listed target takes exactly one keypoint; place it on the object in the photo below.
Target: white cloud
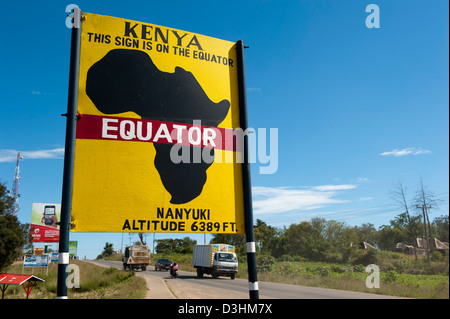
(11, 155)
(406, 151)
(276, 200)
(363, 199)
(325, 188)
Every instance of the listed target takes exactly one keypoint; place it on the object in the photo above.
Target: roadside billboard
(54, 257)
(154, 148)
(73, 245)
(44, 219)
(36, 261)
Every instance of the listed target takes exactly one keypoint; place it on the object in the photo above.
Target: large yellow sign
(157, 107)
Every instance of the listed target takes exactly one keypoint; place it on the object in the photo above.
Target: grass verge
(95, 283)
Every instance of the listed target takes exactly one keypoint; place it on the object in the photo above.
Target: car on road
(163, 263)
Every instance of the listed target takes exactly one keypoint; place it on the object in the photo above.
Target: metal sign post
(247, 185)
(69, 155)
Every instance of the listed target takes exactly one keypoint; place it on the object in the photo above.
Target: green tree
(107, 250)
(169, 245)
(366, 232)
(441, 226)
(306, 240)
(265, 235)
(13, 235)
(388, 237)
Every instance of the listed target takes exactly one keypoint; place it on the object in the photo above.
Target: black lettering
(187, 212)
(202, 214)
(126, 225)
(162, 48)
(160, 212)
(146, 45)
(158, 31)
(129, 29)
(155, 224)
(145, 32)
(179, 39)
(178, 213)
(169, 213)
(194, 41)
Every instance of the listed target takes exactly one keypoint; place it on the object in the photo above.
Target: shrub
(366, 257)
(359, 268)
(287, 258)
(265, 262)
(390, 276)
(437, 256)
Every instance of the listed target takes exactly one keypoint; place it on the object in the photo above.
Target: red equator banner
(138, 130)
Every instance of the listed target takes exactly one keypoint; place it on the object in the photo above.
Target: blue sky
(357, 109)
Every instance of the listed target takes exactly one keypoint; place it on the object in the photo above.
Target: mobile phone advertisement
(44, 222)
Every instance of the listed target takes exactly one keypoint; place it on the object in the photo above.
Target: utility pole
(425, 218)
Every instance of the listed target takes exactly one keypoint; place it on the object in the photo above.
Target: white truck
(216, 260)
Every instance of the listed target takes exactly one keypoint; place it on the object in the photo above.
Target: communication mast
(15, 188)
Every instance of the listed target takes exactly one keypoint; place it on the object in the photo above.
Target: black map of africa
(128, 80)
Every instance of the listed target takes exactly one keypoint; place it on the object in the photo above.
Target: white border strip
(253, 285)
(63, 258)
(251, 248)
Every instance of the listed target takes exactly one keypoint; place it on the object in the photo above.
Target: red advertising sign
(44, 222)
(44, 234)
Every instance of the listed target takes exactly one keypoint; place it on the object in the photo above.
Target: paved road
(188, 286)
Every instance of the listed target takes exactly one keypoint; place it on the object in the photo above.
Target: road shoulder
(156, 287)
